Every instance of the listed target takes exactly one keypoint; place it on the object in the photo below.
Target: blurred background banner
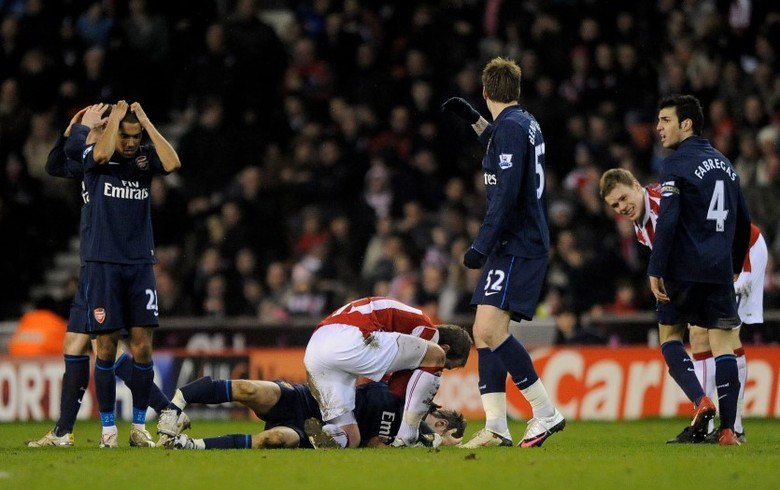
(587, 383)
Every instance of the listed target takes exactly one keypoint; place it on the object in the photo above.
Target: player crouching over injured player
(375, 337)
(286, 407)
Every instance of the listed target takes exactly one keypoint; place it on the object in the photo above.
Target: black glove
(474, 259)
(462, 109)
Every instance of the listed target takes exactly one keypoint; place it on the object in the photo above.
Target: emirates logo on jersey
(142, 162)
(100, 315)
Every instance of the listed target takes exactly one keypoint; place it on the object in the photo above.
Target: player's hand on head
(93, 115)
(474, 259)
(121, 108)
(79, 115)
(136, 108)
(461, 108)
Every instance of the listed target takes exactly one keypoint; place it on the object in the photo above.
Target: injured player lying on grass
(290, 411)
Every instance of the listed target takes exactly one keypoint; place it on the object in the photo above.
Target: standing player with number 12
(512, 249)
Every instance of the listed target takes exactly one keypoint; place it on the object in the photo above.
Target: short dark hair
(130, 117)
(459, 341)
(455, 420)
(613, 177)
(686, 107)
(501, 79)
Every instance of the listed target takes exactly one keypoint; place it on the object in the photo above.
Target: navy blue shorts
(293, 408)
(119, 296)
(78, 316)
(700, 304)
(511, 283)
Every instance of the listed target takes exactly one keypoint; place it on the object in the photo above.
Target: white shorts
(337, 355)
(750, 285)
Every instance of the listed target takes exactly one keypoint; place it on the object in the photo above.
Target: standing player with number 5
(512, 248)
(701, 239)
(118, 275)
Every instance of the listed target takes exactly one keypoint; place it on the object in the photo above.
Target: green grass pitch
(597, 455)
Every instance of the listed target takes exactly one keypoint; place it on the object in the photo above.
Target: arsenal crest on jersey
(141, 162)
(100, 315)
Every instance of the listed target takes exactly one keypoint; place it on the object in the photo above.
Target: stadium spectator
(378, 59)
(40, 332)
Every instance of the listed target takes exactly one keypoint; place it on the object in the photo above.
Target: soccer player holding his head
(374, 337)
(623, 193)
(512, 250)
(701, 239)
(84, 129)
(286, 407)
(118, 253)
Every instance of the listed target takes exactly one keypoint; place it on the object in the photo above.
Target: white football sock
(540, 402)
(495, 413)
(742, 369)
(337, 433)
(710, 387)
(178, 400)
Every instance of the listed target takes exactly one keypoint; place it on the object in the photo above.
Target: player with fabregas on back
(701, 240)
(623, 193)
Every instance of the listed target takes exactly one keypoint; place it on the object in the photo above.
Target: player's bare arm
(106, 144)
(76, 119)
(480, 126)
(168, 156)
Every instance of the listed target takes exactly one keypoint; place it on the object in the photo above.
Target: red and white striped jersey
(379, 314)
(645, 230)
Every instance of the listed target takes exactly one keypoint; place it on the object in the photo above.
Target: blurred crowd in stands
(317, 165)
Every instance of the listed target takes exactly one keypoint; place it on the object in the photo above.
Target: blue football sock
(492, 373)
(143, 379)
(727, 381)
(231, 441)
(207, 390)
(74, 384)
(105, 389)
(124, 371)
(517, 362)
(157, 399)
(681, 369)
(123, 368)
